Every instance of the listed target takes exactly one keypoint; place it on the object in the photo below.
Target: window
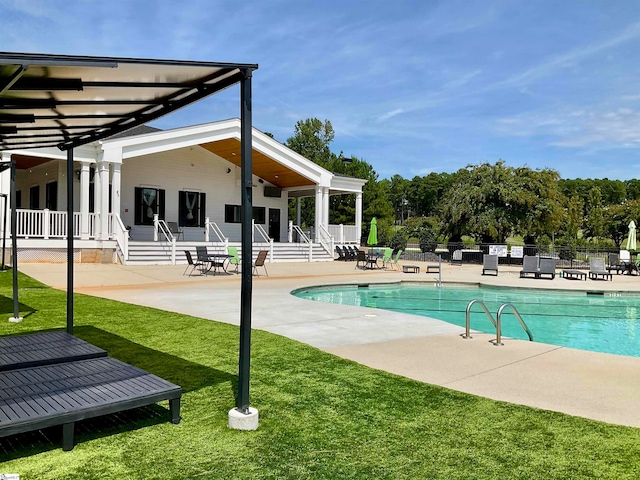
(232, 214)
(191, 209)
(259, 215)
(34, 197)
(149, 201)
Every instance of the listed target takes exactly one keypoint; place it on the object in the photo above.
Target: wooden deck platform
(61, 394)
(36, 349)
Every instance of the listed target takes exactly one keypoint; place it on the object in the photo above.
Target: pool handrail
(467, 327)
(499, 323)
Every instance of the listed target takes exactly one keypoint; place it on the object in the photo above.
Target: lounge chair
(260, 259)
(191, 264)
(456, 258)
(235, 259)
(175, 230)
(489, 264)
(597, 269)
(547, 267)
(386, 257)
(342, 255)
(529, 266)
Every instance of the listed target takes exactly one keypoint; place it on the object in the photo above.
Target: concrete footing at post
(243, 421)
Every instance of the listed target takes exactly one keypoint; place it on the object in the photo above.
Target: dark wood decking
(36, 349)
(61, 394)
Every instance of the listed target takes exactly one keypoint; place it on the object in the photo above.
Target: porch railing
(344, 233)
(161, 227)
(296, 231)
(121, 235)
(51, 224)
(256, 227)
(213, 226)
(326, 239)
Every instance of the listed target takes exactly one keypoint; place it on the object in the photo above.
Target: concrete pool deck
(593, 385)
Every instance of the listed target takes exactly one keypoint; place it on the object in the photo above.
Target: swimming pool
(596, 321)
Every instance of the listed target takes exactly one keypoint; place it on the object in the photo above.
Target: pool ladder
(496, 323)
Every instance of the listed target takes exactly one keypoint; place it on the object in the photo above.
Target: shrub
(398, 241)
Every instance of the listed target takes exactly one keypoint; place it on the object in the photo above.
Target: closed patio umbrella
(631, 241)
(373, 233)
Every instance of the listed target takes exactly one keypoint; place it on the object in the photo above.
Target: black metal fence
(567, 256)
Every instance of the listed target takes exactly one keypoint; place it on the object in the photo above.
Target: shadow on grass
(6, 307)
(189, 375)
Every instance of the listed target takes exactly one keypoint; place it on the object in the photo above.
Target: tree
(574, 217)
(311, 140)
(594, 218)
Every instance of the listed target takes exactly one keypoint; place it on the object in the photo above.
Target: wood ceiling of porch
(263, 166)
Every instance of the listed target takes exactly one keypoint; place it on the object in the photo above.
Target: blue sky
(411, 87)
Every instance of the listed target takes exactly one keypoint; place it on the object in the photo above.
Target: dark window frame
(198, 212)
(142, 208)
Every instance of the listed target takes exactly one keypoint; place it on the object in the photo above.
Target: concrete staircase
(159, 253)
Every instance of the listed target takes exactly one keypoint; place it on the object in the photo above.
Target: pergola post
(70, 241)
(243, 417)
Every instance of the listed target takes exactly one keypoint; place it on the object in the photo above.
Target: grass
(320, 416)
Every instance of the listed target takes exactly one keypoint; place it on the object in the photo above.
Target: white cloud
(388, 115)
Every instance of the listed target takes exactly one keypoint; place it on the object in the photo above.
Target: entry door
(274, 224)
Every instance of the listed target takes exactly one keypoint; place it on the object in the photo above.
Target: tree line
(485, 202)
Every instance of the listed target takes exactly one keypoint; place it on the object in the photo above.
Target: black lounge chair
(529, 266)
(547, 267)
(352, 253)
(597, 269)
(489, 264)
(341, 254)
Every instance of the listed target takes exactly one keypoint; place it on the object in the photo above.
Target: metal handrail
(326, 239)
(499, 323)
(216, 230)
(263, 233)
(467, 327)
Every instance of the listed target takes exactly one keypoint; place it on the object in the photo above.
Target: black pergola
(67, 101)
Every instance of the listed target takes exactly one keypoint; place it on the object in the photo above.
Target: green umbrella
(631, 241)
(373, 233)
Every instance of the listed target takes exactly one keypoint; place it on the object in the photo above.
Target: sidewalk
(593, 385)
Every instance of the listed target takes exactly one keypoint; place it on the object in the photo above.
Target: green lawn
(320, 416)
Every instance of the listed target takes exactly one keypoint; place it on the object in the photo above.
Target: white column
(318, 208)
(325, 207)
(359, 215)
(298, 211)
(116, 184)
(84, 200)
(103, 210)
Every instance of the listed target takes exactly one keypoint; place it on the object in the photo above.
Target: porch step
(159, 253)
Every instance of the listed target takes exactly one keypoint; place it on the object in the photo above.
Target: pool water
(598, 322)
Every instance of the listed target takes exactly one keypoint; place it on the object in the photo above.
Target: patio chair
(547, 267)
(191, 264)
(489, 264)
(235, 259)
(352, 252)
(175, 230)
(529, 266)
(202, 254)
(260, 259)
(361, 259)
(597, 269)
(456, 258)
(394, 261)
(386, 257)
(342, 255)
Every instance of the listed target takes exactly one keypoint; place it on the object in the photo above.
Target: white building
(130, 190)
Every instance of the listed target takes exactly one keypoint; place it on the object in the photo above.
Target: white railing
(345, 233)
(326, 239)
(51, 224)
(120, 232)
(265, 236)
(160, 226)
(302, 237)
(213, 226)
